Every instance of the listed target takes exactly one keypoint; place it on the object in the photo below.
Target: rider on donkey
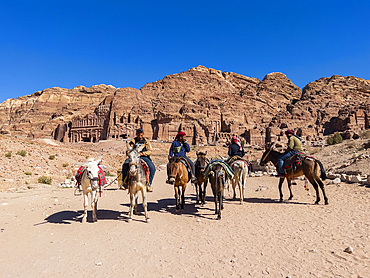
(144, 155)
(236, 148)
(294, 147)
(179, 148)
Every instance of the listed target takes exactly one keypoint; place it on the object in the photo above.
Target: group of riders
(179, 148)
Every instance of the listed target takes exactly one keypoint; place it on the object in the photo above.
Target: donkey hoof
(219, 217)
(326, 202)
(83, 220)
(317, 202)
(290, 198)
(148, 220)
(281, 200)
(129, 220)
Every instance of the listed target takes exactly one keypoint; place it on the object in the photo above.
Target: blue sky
(129, 43)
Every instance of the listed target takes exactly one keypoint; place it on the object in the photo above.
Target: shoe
(124, 186)
(194, 180)
(167, 181)
(280, 175)
(149, 188)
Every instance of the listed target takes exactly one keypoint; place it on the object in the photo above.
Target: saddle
(294, 161)
(187, 165)
(233, 159)
(101, 176)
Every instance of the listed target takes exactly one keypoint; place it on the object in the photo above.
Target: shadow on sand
(68, 216)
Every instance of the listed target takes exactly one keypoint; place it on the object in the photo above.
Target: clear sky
(129, 43)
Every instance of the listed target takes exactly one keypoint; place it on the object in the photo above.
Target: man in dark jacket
(236, 148)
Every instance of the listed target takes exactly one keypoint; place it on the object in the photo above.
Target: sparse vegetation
(107, 174)
(28, 173)
(335, 139)
(44, 179)
(52, 157)
(22, 153)
(65, 165)
(87, 157)
(8, 154)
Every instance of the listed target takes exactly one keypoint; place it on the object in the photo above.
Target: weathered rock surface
(209, 105)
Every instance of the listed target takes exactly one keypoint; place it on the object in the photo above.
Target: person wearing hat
(294, 147)
(179, 148)
(144, 155)
(236, 148)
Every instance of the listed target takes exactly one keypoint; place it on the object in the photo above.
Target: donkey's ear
(99, 159)
(197, 152)
(129, 147)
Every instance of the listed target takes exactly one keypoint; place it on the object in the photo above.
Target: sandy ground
(41, 234)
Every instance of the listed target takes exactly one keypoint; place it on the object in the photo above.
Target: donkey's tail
(322, 171)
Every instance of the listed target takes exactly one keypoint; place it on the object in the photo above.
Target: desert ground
(42, 234)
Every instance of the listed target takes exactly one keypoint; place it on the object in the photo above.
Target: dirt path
(41, 235)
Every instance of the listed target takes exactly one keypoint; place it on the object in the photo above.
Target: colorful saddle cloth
(229, 172)
(294, 161)
(101, 176)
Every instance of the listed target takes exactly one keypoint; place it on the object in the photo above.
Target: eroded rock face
(209, 105)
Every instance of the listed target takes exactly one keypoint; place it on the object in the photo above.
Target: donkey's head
(133, 154)
(92, 171)
(202, 160)
(173, 169)
(266, 157)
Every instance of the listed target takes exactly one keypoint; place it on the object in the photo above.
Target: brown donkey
(217, 178)
(179, 177)
(201, 185)
(310, 167)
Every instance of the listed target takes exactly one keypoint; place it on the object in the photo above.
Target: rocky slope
(208, 104)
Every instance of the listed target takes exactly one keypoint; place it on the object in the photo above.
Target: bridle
(266, 155)
(177, 171)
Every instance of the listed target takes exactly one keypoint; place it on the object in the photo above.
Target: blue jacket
(179, 149)
(234, 150)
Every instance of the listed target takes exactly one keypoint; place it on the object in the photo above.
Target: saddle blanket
(295, 161)
(101, 176)
(229, 172)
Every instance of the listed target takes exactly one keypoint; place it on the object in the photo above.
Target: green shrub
(8, 154)
(45, 180)
(107, 174)
(22, 153)
(28, 173)
(65, 165)
(51, 157)
(335, 139)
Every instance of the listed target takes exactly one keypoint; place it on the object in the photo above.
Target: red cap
(289, 131)
(181, 133)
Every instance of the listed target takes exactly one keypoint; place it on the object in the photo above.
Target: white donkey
(241, 170)
(90, 184)
(137, 182)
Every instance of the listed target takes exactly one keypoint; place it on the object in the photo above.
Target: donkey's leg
(204, 192)
(177, 197)
(86, 201)
(183, 197)
(280, 185)
(316, 187)
(136, 197)
(220, 205)
(198, 189)
(233, 184)
(132, 204)
(290, 188)
(145, 205)
(321, 184)
(94, 197)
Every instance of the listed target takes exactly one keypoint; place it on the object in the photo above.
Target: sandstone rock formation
(209, 105)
